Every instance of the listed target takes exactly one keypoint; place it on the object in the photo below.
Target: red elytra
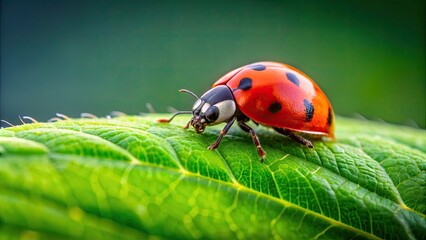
(304, 106)
(269, 93)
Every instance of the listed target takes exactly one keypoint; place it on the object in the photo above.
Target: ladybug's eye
(212, 114)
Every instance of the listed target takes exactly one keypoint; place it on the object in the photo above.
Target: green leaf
(133, 178)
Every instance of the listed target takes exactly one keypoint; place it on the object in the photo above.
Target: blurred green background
(98, 56)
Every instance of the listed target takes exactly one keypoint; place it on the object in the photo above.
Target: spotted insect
(269, 93)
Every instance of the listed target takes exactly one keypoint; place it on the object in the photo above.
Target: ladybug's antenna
(187, 91)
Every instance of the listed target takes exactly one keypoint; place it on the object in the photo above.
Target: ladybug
(269, 93)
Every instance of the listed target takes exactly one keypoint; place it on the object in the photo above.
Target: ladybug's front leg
(187, 124)
(222, 133)
(255, 138)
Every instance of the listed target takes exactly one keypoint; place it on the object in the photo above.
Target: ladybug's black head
(215, 106)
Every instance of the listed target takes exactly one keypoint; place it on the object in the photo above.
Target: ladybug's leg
(256, 142)
(222, 133)
(295, 137)
(187, 124)
(257, 124)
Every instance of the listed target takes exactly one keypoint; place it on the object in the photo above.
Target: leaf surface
(131, 178)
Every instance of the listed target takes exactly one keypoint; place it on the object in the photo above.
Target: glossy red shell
(303, 105)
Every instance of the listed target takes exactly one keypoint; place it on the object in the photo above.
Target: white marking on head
(196, 104)
(227, 109)
(205, 107)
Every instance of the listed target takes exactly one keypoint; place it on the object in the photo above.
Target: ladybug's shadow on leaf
(277, 146)
(269, 139)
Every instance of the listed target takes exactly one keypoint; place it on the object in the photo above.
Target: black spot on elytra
(309, 110)
(292, 78)
(275, 107)
(257, 67)
(330, 117)
(245, 84)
